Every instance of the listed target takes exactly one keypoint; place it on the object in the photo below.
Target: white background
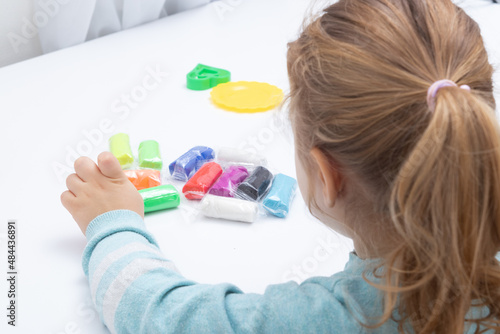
(50, 104)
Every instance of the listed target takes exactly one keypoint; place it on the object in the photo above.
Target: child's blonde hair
(359, 78)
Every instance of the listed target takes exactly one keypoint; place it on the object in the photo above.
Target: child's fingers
(67, 200)
(86, 169)
(74, 183)
(109, 166)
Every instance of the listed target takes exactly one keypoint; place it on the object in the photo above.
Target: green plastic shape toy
(160, 198)
(149, 155)
(204, 77)
(119, 145)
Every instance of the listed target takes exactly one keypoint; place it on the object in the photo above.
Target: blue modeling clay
(187, 164)
(280, 195)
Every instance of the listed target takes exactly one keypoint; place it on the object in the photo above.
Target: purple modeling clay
(228, 182)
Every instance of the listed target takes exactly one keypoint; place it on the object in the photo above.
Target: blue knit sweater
(137, 290)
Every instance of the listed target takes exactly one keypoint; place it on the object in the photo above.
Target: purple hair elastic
(435, 87)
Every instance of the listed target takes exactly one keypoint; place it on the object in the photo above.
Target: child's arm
(136, 290)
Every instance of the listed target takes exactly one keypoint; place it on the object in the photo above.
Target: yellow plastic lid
(247, 96)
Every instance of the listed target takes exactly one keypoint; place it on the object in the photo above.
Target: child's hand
(94, 190)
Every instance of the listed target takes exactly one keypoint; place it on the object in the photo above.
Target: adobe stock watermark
(29, 28)
(86, 315)
(265, 136)
(188, 213)
(121, 108)
(223, 7)
(326, 247)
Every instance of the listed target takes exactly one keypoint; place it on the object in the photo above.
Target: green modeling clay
(205, 77)
(119, 145)
(149, 155)
(160, 198)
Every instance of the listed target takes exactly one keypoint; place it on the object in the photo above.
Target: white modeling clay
(229, 208)
(234, 156)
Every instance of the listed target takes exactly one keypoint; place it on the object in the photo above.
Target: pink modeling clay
(228, 182)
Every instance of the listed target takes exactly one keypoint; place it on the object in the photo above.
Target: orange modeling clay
(144, 178)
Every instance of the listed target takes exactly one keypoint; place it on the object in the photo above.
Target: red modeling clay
(200, 183)
(144, 178)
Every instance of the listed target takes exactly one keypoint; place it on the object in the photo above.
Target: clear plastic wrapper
(144, 178)
(280, 196)
(229, 181)
(229, 208)
(202, 181)
(233, 156)
(160, 198)
(149, 155)
(255, 186)
(187, 164)
(119, 146)
(236, 186)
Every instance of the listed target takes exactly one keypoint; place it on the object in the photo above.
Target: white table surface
(48, 104)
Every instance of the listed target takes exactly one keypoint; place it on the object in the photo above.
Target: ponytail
(445, 204)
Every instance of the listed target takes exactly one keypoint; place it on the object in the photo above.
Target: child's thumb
(109, 165)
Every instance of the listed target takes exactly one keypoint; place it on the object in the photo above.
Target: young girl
(397, 147)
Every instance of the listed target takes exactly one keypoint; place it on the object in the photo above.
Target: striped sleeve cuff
(110, 223)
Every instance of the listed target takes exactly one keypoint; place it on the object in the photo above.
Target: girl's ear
(330, 178)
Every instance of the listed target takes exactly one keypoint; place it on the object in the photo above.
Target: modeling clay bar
(144, 178)
(256, 185)
(227, 183)
(202, 181)
(229, 208)
(278, 200)
(187, 164)
(160, 198)
(233, 156)
(119, 145)
(149, 155)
